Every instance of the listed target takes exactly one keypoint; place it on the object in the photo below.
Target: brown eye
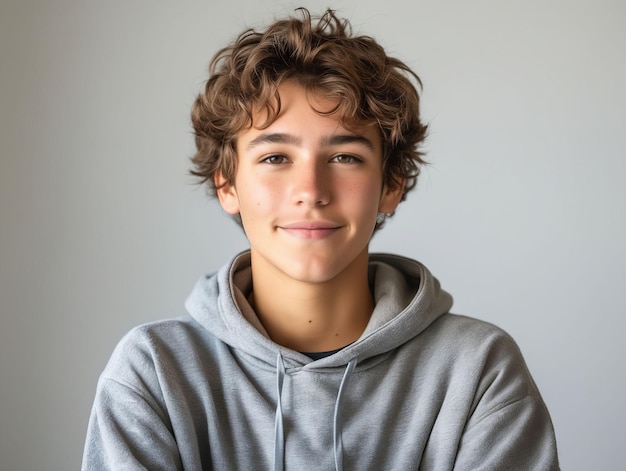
(275, 159)
(345, 159)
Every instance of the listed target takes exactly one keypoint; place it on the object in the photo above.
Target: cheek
(365, 193)
(260, 198)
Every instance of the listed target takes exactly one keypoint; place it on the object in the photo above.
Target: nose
(311, 185)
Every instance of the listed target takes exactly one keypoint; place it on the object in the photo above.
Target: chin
(312, 277)
(312, 273)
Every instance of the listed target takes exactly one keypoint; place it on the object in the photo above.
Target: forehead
(296, 109)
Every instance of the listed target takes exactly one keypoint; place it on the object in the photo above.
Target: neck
(313, 317)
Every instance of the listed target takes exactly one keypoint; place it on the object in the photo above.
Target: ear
(391, 197)
(226, 193)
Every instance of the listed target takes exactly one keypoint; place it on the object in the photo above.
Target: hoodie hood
(407, 300)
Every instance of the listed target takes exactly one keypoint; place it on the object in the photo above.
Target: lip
(315, 230)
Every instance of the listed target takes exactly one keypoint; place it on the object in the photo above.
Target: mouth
(314, 230)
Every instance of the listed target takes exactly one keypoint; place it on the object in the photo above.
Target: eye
(274, 159)
(345, 159)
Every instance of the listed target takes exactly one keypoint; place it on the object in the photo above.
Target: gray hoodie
(421, 389)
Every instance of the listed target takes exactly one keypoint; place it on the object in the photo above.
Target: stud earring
(380, 217)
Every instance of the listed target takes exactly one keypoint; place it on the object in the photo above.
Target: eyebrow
(338, 139)
(274, 138)
(326, 141)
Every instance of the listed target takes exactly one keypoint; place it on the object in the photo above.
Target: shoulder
(470, 334)
(478, 353)
(488, 358)
(159, 351)
(156, 338)
(163, 330)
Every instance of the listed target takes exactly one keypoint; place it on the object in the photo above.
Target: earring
(380, 218)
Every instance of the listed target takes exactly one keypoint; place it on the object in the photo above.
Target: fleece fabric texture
(430, 390)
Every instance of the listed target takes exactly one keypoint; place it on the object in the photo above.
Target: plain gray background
(520, 215)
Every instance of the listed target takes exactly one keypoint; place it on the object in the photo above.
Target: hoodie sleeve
(509, 426)
(127, 431)
(130, 425)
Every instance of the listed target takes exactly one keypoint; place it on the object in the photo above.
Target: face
(308, 190)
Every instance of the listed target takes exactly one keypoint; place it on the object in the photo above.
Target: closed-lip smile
(310, 229)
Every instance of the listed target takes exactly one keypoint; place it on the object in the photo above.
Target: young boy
(307, 352)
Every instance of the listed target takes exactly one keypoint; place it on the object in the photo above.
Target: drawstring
(336, 421)
(279, 439)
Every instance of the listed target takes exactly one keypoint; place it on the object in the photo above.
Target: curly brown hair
(321, 54)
